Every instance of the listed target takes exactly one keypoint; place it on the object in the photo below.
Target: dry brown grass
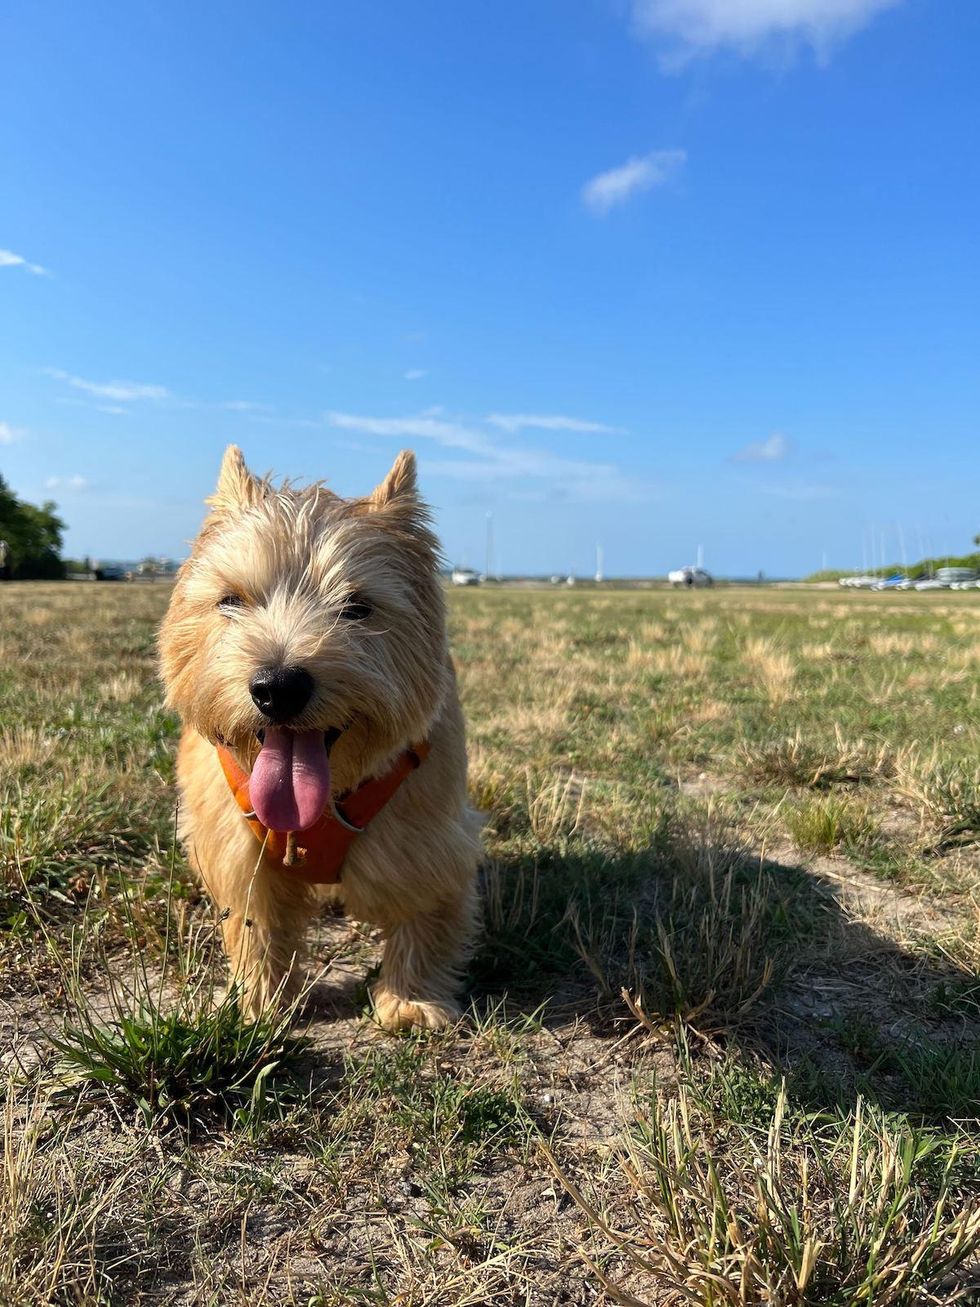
(728, 806)
(772, 667)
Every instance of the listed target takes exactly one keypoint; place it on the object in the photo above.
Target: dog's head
(304, 623)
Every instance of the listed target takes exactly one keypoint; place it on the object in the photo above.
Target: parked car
(109, 571)
(464, 576)
(690, 577)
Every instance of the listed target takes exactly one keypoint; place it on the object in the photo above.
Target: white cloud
(453, 435)
(9, 434)
(776, 447)
(800, 490)
(512, 422)
(641, 173)
(8, 259)
(114, 390)
(567, 479)
(702, 26)
(491, 461)
(67, 483)
(306, 424)
(245, 406)
(415, 374)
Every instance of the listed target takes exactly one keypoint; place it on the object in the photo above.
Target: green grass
(918, 1075)
(950, 791)
(723, 1016)
(822, 825)
(800, 762)
(804, 1213)
(187, 1068)
(160, 1040)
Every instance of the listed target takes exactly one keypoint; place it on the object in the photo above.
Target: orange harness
(317, 854)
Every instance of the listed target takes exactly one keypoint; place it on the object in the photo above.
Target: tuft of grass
(799, 761)
(538, 910)
(811, 1213)
(191, 1067)
(949, 792)
(728, 927)
(693, 927)
(958, 997)
(772, 667)
(165, 1045)
(925, 1078)
(822, 825)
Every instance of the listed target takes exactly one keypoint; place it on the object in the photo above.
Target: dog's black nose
(281, 692)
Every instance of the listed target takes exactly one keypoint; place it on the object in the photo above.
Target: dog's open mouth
(289, 787)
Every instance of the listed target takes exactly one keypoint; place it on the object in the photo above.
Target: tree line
(33, 537)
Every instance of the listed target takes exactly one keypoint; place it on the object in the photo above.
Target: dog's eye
(356, 609)
(227, 602)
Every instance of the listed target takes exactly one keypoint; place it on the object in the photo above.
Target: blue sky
(657, 273)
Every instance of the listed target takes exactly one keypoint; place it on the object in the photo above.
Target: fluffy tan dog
(305, 650)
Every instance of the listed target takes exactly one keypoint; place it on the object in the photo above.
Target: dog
(323, 743)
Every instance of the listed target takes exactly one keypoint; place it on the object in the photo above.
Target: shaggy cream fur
(267, 584)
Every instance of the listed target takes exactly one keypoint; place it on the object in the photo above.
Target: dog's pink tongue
(290, 784)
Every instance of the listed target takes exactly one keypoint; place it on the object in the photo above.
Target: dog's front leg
(264, 918)
(421, 968)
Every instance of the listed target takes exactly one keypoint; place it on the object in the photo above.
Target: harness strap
(317, 854)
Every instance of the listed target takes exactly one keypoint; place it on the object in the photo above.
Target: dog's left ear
(237, 487)
(400, 483)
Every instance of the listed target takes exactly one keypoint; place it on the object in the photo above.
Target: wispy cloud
(513, 422)
(641, 173)
(415, 374)
(126, 392)
(452, 435)
(69, 401)
(273, 420)
(771, 450)
(698, 27)
(120, 391)
(9, 434)
(491, 461)
(244, 406)
(75, 482)
(8, 259)
(800, 490)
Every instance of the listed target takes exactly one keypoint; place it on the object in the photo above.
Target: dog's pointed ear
(237, 487)
(400, 485)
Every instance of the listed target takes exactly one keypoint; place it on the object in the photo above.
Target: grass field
(722, 1042)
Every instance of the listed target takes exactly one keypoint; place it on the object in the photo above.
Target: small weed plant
(168, 1047)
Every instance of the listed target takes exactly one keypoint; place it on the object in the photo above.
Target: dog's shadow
(767, 958)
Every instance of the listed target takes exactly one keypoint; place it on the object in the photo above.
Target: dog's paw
(394, 1013)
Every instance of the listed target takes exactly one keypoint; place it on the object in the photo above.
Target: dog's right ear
(399, 485)
(237, 487)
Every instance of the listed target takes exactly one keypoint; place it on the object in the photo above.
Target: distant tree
(33, 535)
